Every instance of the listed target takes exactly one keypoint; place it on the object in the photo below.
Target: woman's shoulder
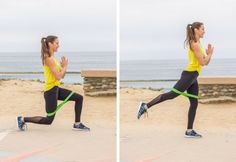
(194, 45)
(49, 61)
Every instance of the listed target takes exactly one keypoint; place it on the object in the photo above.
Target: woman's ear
(49, 44)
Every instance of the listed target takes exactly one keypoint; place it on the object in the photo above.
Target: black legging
(51, 96)
(188, 81)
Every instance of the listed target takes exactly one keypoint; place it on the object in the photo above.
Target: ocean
(31, 62)
(164, 73)
(133, 73)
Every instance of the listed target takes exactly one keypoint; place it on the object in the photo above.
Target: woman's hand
(64, 62)
(210, 49)
(203, 60)
(50, 62)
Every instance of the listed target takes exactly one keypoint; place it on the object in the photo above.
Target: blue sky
(82, 25)
(155, 29)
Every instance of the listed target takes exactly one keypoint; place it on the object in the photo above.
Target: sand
(57, 142)
(160, 137)
(156, 138)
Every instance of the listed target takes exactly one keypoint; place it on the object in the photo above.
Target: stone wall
(99, 82)
(217, 89)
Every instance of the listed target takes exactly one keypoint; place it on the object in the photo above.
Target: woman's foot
(192, 134)
(20, 123)
(80, 127)
(142, 108)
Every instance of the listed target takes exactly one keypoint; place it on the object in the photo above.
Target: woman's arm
(64, 64)
(202, 60)
(49, 61)
(209, 50)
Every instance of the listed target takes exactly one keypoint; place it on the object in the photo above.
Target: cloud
(156, 29)
(81, 25)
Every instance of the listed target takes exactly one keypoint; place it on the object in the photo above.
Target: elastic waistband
(52, 89)
(190, 72)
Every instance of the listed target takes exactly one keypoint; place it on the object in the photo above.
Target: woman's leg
(161, 98)
(187, 78)
(193, 89)
(63, 93)
(50, 97)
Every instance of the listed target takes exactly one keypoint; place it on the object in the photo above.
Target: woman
(53, 73)
(188, 80)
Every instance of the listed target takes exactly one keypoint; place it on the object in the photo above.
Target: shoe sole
(76, 129)
(191, 136)
(139, 106)
(17, 123)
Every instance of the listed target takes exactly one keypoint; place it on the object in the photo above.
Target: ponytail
(45, 52)
(190, 33)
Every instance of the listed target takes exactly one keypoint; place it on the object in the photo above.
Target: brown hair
(45, 48)
(190, 34)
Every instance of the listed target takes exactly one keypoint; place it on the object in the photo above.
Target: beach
(57, 142)
(160, 136)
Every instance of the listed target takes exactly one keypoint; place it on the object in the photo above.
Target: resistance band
(61, 104)
(184, 94)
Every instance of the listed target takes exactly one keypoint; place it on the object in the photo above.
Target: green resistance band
(184, 94)
(61, 104)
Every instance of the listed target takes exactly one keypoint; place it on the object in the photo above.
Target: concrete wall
(99, 82)
(217, 89)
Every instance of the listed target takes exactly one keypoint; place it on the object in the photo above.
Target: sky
(149, 29)
(81, 25)
(156, 29)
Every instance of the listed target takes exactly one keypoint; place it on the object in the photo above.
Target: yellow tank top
(194, 65)
(50, 80)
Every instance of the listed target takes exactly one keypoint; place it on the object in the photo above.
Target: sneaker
(20, 123)
(80, 127)
(142, 108)
(192, 134)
